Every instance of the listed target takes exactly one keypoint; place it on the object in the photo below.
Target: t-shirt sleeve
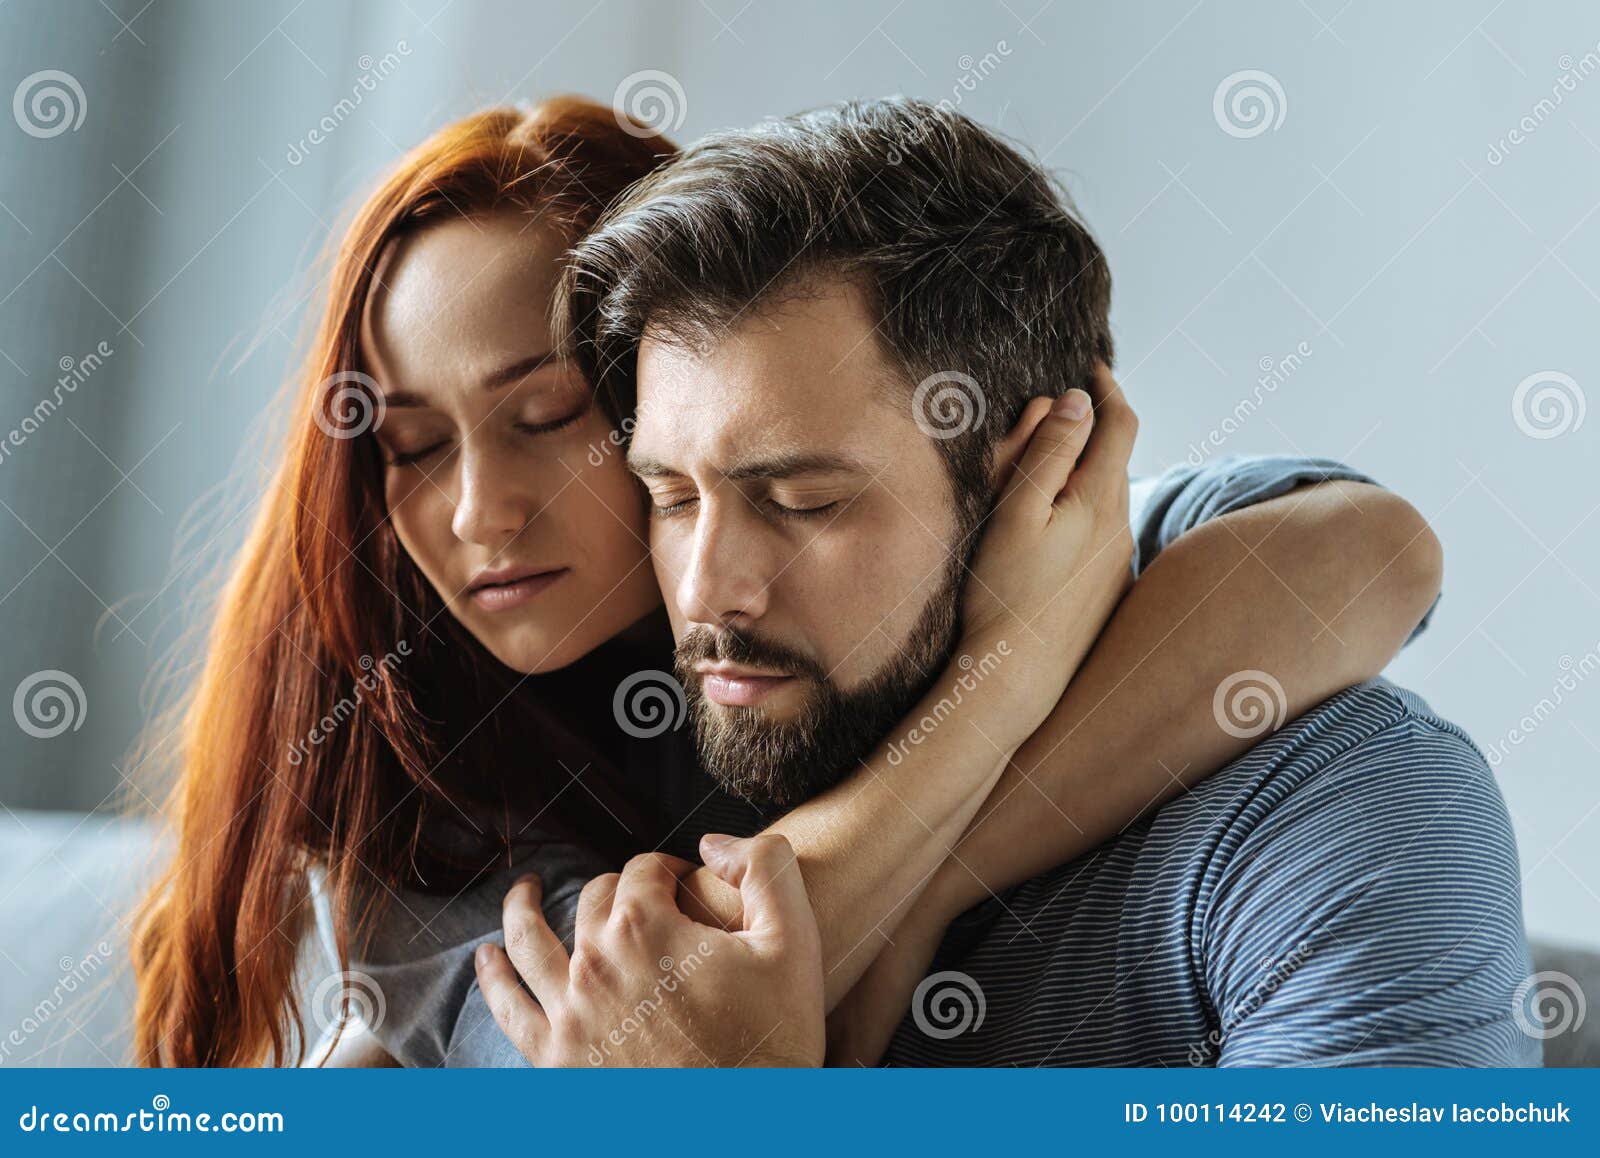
(420, 960)
(1374, 917)
(1165, 506)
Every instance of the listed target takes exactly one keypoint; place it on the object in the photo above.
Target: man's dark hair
(969, 252)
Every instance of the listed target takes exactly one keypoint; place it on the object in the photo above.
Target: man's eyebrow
(776, 467)
(788, 465)
(494, 380)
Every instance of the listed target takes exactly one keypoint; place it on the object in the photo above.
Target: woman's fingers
(1053, 451)
(518, 1015)
(532, 946)
(1105, 463)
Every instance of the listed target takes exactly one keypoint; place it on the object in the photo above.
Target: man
(1345, 892)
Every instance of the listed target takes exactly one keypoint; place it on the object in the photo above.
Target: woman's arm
(1053, 562)
(1318, 589)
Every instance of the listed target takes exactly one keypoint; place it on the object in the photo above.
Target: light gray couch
(68, 882)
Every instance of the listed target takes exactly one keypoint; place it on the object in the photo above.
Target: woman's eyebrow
(518, 370)
(495, 380)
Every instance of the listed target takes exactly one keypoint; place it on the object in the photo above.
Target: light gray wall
(1429, 264)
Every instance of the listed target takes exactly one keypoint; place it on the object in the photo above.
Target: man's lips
(734, 686)
(503, 590)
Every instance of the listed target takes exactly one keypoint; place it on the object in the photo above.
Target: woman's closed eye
(401, 457)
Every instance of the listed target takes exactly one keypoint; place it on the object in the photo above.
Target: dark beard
(780, 765)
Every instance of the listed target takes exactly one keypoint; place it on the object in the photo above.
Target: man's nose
(727, 580)
(492, 503)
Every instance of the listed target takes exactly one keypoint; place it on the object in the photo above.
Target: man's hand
(647, 986)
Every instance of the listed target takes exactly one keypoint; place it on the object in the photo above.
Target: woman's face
(502, 479)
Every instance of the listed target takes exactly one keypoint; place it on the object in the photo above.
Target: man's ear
(1009, 450)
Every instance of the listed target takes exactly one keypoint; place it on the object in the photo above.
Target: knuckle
(590, 967)
(772, 845)
(598, 889)
(630, 917)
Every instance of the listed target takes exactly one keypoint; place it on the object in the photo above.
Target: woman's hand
(1056, 551)
(647, 986)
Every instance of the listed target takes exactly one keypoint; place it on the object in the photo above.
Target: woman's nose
(492, 503)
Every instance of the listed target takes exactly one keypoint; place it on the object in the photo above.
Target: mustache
(729, 645)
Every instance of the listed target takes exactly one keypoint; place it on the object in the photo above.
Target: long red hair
(320, 599)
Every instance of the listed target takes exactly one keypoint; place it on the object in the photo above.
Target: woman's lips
(740, 691)
(505, 596)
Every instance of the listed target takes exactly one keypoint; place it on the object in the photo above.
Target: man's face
(801, 531)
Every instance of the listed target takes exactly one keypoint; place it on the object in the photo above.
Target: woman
(476, 541)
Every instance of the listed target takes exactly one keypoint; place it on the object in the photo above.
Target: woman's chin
(537, 652)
